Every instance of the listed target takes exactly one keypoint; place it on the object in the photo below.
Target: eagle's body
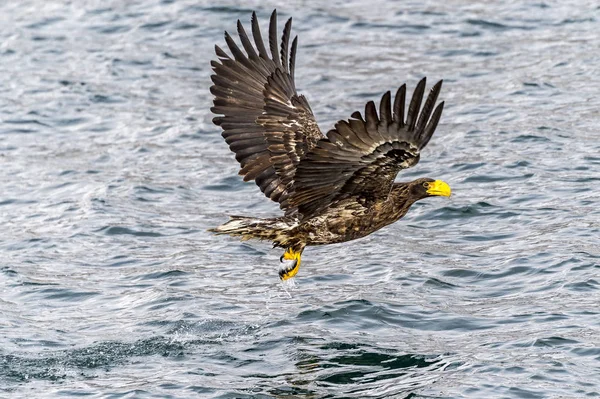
(344, 220)
(332, 188)
(350, 219)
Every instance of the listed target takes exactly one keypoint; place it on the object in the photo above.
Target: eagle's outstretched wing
(361, 157)
(266, 123)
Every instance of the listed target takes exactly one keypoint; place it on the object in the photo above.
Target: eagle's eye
(426, 184)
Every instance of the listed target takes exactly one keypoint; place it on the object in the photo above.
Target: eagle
(332, 187)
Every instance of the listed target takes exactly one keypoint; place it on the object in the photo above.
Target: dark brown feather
(273, 39)
(266, 123)
(415, 104)
(361, 158)
(285, 40)
(258, 40)
(293, 57)
(274, 135)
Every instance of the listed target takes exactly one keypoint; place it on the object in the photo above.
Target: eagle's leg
(290, 271)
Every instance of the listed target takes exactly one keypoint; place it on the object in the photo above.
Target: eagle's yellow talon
(291, 271)
(290, 254)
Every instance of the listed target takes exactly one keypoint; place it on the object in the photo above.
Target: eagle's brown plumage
(266, 123)
(332, 188)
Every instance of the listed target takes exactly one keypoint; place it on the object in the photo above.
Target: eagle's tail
(278, 230)
(274, 229)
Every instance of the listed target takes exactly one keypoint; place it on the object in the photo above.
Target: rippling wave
(111, 173)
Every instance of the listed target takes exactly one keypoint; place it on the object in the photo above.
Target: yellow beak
(439, 187)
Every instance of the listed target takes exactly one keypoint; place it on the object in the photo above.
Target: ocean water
(111, 172)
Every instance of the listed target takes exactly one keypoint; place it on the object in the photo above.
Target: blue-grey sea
(111, 172)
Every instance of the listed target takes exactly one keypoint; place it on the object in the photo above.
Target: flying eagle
(335, 187)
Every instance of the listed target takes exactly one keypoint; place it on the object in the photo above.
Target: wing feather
(246, 41)
(258, 40)
(399, 104)
(433, 122)
(266, 123)
(293, 57)
(361, 157)
(385, 110)
(285, 41)
(415, 105)
(273, 39)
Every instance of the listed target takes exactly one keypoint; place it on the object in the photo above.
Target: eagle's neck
(400, 200)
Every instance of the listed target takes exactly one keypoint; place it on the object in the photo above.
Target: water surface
(111, 171)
